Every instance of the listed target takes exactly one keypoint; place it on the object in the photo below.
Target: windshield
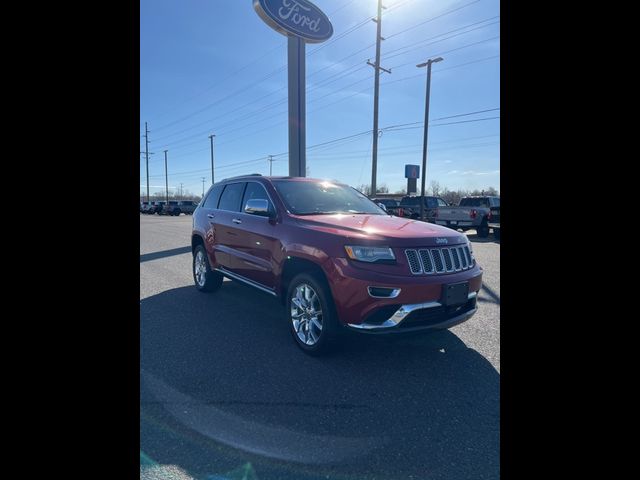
(318, 198)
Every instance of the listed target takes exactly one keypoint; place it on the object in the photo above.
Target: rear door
(229, 239)
(205, 220)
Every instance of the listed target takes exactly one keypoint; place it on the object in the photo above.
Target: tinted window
(212, 198)
(495, 202)
(231, 197)
(173, 203)
(431, 202)
(255, 191)
(442, 203)
(409, 201)
(474, 202)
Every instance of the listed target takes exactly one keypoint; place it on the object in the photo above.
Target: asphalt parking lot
(223, 386)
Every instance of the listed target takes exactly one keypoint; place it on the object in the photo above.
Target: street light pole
(203, 179)
(166, 177)
(211, 137)
(180, 190)
(426, 130)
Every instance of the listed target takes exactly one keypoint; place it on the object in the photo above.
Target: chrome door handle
(210, 215)
(237, 220)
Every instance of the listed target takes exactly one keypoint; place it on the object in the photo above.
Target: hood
(394, 231)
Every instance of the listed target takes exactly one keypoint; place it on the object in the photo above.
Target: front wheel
(206, 280)
(311, 314)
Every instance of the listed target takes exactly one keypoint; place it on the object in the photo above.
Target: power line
(432, 19)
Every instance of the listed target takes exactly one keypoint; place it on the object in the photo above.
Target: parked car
(411, 206)
(473, 212)
(167, 209)
(391, 206)
(144, 206)
(184, 206)
(494, 223)
(334, 259)
(156, 207)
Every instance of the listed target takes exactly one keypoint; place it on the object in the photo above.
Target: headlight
(369, 254)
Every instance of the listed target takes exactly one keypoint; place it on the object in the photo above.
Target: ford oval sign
(300, 18)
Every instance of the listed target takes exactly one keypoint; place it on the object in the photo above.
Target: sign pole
(297, 107)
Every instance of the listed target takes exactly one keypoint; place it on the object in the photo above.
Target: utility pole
(426, 129)
(203, 179)
(270, 159)
(376, 93)
(211, 137)
(166, 177)
(146, 149)
(181, 190)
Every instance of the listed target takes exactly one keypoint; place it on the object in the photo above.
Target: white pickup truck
(473, 212)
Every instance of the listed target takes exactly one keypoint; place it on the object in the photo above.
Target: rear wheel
(176, 212)
(311, 314)
(483, 230)
(206, 280)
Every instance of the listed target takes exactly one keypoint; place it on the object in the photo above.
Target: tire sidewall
(329, 320)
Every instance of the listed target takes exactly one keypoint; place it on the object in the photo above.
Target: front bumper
(418, 304)
(441, 320)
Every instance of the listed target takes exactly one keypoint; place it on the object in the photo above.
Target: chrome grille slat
(430, 261)
(448, 263)
(427, 263)
(414, 263)
(466, 251)
(456, 260)
(463, 258)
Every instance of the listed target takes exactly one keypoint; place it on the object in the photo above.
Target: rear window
(430, 202)
(409, 201)
(231, 197)
(474, 202)
(213, 196)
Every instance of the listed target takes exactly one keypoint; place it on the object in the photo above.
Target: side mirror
(257, 206)
(382, 206)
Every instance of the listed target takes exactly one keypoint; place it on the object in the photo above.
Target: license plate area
(455, 294)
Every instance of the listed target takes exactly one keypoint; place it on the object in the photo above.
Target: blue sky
(213, 66)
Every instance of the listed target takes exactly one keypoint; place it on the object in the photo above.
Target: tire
(205, 279)
(483, 230)
(314, 294)
(177, 212)
(496, 233)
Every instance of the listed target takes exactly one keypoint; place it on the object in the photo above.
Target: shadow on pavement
(164, 253)
(222, 384)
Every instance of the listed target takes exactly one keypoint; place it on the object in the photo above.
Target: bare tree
(434, 188)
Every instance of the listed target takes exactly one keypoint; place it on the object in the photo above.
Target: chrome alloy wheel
(200, 268)
(306, 314)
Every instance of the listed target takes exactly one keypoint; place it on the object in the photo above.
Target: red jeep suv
(335, 259)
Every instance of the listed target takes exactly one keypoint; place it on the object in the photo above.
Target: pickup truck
(410, 206)
(177, 207)
(494, 223)
(391, 206)
(473, 212)
(334, 259)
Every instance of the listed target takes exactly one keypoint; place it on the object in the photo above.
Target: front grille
(427, 261)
